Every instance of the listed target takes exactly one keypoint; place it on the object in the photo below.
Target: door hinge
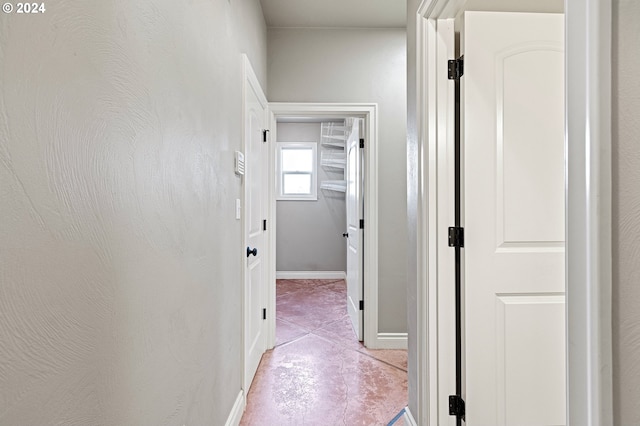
(456, 236)
(361, 305)
(264, 225)
(455, 68)
(265, 135)
(361, 143)
(361, 223)
(456, 406)
(264, 313)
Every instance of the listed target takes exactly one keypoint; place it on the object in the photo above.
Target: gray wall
(360, 65)
(120, 255)
(626, 212)
(309, 233)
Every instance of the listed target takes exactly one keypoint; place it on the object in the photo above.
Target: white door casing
(354, 209)
(513, 138)
(369, 112)
(588, 215)
(255, 211)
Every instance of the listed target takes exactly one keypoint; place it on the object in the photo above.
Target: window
(296, 171)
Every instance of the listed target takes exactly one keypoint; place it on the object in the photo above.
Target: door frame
(588, 31)
(368, 111)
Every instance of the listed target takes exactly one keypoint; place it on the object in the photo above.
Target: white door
(354, 209)
(255, 197)
(513, 135)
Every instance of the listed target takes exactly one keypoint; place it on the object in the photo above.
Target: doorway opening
(291, 119)
(319, 207)
(500, 233)
(587, 264)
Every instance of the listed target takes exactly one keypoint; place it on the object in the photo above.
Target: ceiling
(536, 6)
(335, 13)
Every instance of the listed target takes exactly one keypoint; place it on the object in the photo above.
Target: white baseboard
(408, 418)
(390, 341)
(236, 411)
(311, 275)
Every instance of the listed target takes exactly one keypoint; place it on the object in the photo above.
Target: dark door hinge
(264, 225)
(455, 68)
(361, 223)
(361, 305)
(456, 236)
(264, 313)
(361, 143)
(265, 135)
(456, 406)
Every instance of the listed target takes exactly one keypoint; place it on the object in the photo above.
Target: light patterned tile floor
(318, 373)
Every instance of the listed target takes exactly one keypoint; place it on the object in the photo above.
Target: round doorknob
(252, 252)
(346, 235)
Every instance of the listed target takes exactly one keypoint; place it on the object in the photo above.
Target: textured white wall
(120, 258)
(626, 211)
(309, 233)
(338, 65)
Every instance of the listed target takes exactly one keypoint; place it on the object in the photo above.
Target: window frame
(280, 195)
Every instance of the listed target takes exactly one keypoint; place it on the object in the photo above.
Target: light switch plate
(238, 208)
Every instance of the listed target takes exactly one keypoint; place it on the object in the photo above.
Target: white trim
(369, 111)
(311, 275)
(436, 327)
(588, 215)
(235, 415)
(272, 229)
(391, 341)
(408, 418)
(588, 179)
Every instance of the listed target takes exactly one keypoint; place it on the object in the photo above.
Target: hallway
(318, 373)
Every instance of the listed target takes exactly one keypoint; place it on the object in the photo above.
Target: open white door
(354, 209)
(255, 202)
(514, 281)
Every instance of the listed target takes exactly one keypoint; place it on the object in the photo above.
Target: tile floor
(318, 373)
